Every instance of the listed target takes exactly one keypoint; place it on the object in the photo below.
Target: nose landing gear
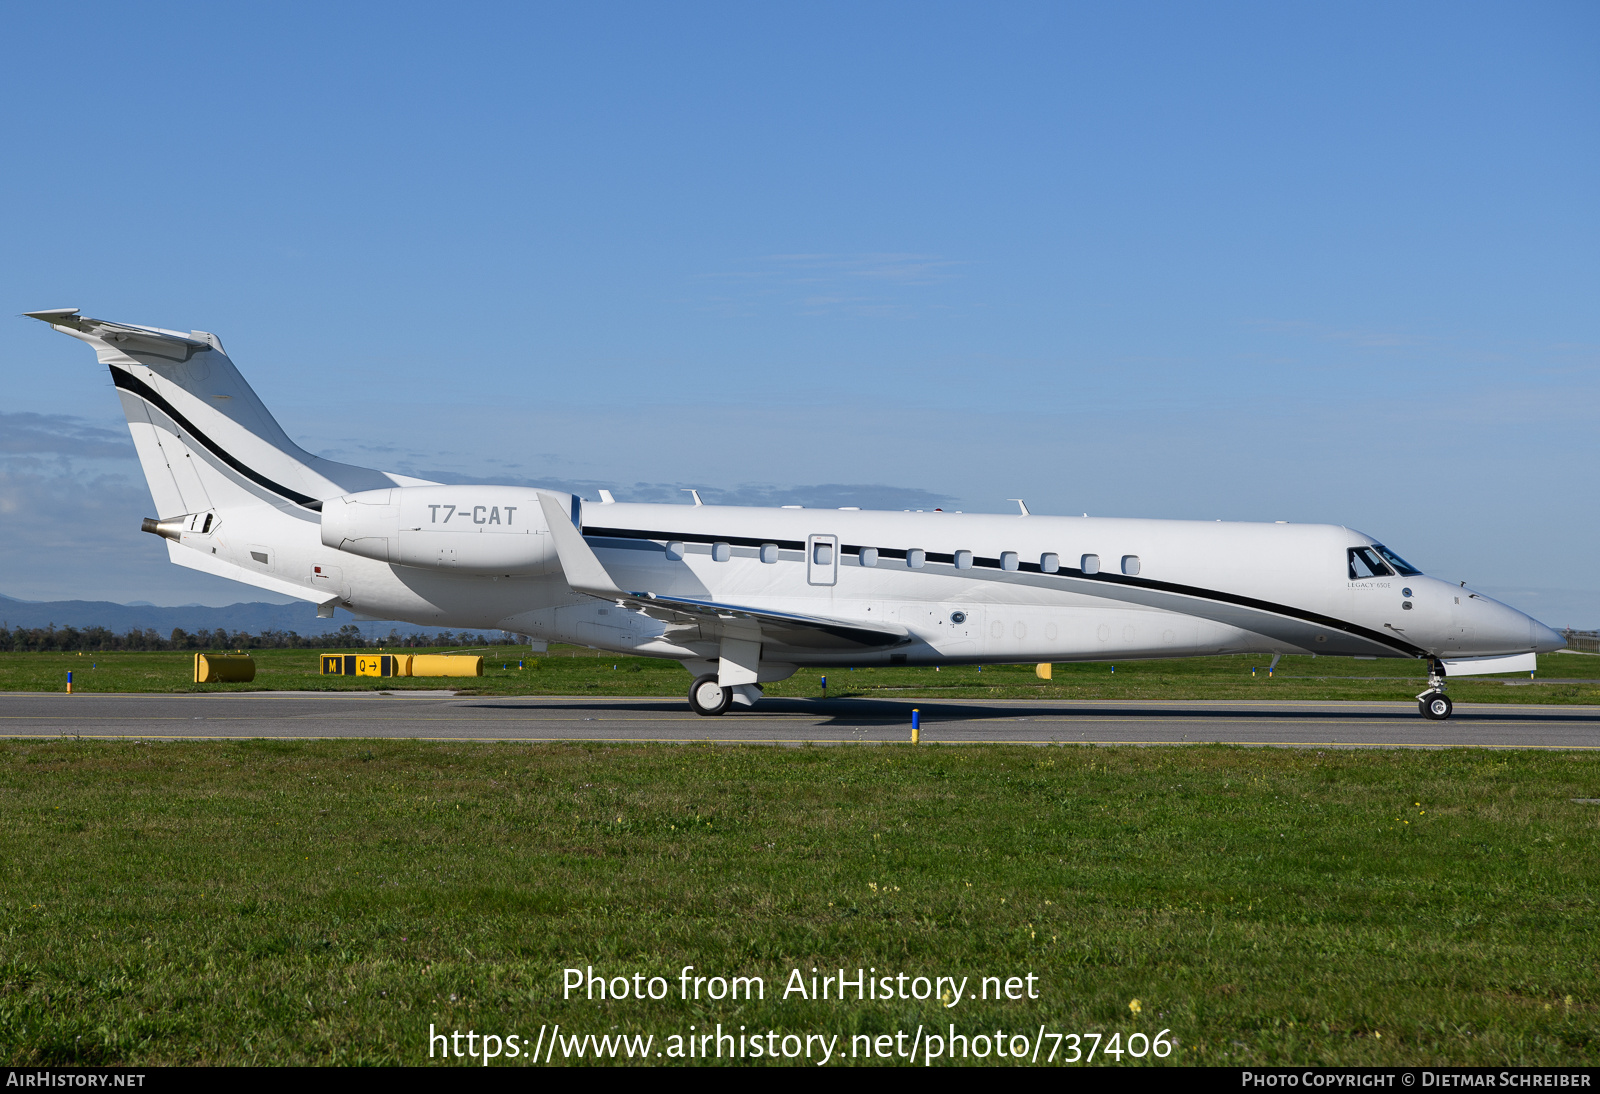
(1434, 703)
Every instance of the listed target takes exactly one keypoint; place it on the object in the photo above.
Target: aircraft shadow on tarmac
(882, 712)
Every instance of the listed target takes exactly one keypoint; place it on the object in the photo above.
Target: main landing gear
(1434, 703)
(708, 697)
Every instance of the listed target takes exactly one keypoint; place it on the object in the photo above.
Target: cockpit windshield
(1364, 563)
(1404, 568)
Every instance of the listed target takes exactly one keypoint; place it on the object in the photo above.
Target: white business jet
(745, 596)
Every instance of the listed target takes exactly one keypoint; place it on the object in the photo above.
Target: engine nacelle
(496, 530)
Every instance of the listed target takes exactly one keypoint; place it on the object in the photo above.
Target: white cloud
(866, 285)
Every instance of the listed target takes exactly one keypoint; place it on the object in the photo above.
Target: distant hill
(252, 618)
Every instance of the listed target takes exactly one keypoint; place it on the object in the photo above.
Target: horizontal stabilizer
(69, 319)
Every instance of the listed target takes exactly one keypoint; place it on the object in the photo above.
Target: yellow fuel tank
(224, 668)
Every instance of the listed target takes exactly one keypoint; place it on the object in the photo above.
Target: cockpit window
(1401, 565)
(1364, 562)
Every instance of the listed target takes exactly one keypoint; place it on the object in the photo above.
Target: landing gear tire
(709, 698)
(1435, 707)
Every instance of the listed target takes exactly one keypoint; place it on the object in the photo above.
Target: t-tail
(210, 449)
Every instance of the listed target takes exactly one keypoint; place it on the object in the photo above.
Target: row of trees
(101, 639)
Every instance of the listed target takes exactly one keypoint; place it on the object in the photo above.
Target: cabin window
(1090, 564)
(721, 552)
(822, 553)
(675, 551)
(916, 558)
(769, 553)
(963, 560)
(1130, 565)
(1402, 567)
(1008, 560)
(869, 556)
(1365, 563)
(1049, 562)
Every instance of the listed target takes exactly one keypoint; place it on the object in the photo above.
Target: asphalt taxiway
(441, 716)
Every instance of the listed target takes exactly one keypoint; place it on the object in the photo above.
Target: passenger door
(822, 560)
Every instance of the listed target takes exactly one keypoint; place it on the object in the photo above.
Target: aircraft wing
(586, 574)
(780, 628)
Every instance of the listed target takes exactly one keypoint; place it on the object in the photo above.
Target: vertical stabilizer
(204, 438)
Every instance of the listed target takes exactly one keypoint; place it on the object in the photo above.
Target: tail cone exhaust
(171, 528)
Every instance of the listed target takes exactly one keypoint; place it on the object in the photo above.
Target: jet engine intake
(497, 530)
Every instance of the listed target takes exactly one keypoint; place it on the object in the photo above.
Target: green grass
(270, 902)
(577, 671)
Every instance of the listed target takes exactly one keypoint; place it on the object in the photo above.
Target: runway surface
(440, 716)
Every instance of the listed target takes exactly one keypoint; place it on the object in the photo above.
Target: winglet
(578, 561)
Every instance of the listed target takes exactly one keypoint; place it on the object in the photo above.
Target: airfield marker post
(69, 681)
(916, 726)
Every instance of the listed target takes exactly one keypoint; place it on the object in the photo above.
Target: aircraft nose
(1546, 640)
(1501, 629)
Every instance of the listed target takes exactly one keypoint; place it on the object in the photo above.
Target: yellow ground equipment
(438, 664)
(224, 668)
(1042, 670)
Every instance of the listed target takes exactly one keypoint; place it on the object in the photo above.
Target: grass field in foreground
(578, 671)
(263, 902)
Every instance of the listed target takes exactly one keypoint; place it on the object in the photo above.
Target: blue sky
(1249, 261)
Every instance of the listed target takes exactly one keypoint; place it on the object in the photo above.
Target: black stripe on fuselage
(1215, 595)
(679, 537)
(132, 384)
